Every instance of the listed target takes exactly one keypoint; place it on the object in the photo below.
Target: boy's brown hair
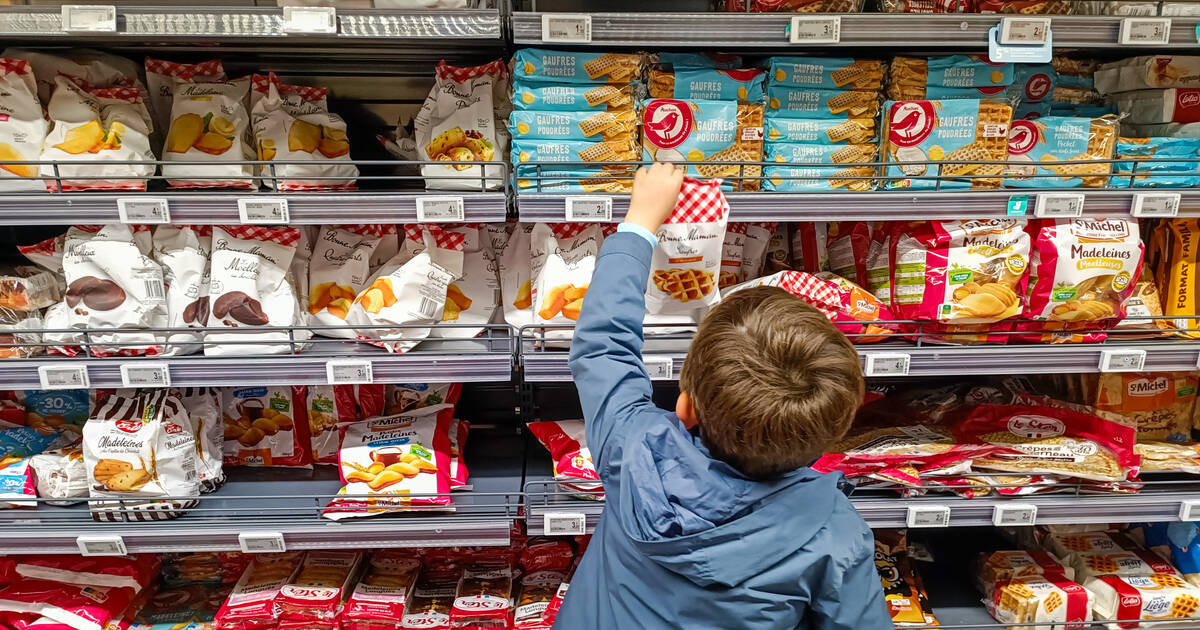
(772, 381)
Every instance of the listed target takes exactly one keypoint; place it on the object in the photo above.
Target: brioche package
(339, 273)
(457, 123)
(265, 426)
(292, 123)
(138, 449)
(960, 132)
(209, 123)
(1034, 146)
(962, 272)
(685, 266)
(93, 129)
(251, 604)
(22, 136)
(1082, 270)
(248, 287)
(184, 251)
(385, 460)
(561, 263)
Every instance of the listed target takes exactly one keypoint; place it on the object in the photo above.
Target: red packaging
(850, 307)
(429, 608)
(482, 600)
(78, 606)
(401, 397)
(566, 441)
(251, 605)
(459, 475)
(848, 245)
(378, 601)
(330, 405)
(131, 572)
(546, 554)
(316, 594)
(810, 243)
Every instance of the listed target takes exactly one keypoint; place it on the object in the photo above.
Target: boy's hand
(655, 191)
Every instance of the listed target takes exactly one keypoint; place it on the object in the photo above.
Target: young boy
(714, 519)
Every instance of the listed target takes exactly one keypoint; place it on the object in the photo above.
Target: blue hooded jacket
(685, 541)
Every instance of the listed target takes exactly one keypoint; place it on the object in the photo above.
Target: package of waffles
(792, 101)
(705, 131)
(958, 71)
(1040, 599)
(571, 98)
(731, 254)
(827, 73)
(754, 249)
(716, 84)
(1004, 566)
(1035, 148)
(585, 125)
(821, 131)
(961, 133)
(1082, 270)
(687, 261)
(1142, 597)
(562, 66)
(1049, 440)
(1067, 546)
(1123, 563)
(824, 167)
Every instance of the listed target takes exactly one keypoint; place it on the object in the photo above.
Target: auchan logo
(1022, 137)
(667, 122)
(129, 426)
(910, 122)
(1035, 427)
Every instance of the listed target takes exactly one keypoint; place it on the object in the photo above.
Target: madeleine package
(339, 273)
(265, 426)
(24, 129)
(140, 447)
(248, 287)
(457, 123)
(384, 461)
(292, 123)
(1083, 270)
(564, 255)
(209, 123)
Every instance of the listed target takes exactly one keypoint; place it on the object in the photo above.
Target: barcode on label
(64, 377)
(815, 30)
(101, 545)
(428, 307)
(887, 364)
(564, 524)
(567, 28)
(928, 516)
(154, 290)
(261, 542)
(1142, 31)
(145, 375)
(659, 368)
(1123, 360)
(97, 18)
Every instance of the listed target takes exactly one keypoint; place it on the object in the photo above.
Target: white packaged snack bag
(409, 290)
(338, 273)
(457, 123)
(24, 127)
(297, 279)
(292, 123)
(209, 123)
(686, 263)
(754, 250)
(203, 405)
(161, 77)
(472, 298)
(516, 285)
(731, 255)
(561, 264)
(112, 285)
(139, 447)
(248, 287)
(389, 245)
(99, 69)
(94, 129)
(60, 475)
(183, 252)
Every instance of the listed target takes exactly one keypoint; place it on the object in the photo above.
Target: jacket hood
(701, 518)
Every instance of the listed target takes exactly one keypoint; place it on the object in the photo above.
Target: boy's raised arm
(606, 352)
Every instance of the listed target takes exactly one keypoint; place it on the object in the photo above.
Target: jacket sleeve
(851, 595)
(606, 353)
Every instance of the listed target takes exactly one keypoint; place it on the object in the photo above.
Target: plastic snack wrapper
(902, 589)
(483, 598)
(402, 397)
(1028, 600)
(561, 66)
(685, 266)
(532, 95)
(429, 606)
(708, 131)
(792, 6)
(297, 117)
(1169, 105)
(1151, 597)
(17, 485)
(1082, 270)
(24, 131)
(1160, 403)
(458, 122)
(209, 123)
(96, 68)
(808, 102)
(827, 73)
(961, 132)
(850, 307)
(572, 461)
(473, 297)
(923, 6)
(339, 273)
(379, 600)
(1169, 457)
(138, 449)
(1034, 146)
(584, 125)
(203, 405)
(314, 598)
(798, 170)
(248, 287)
(184, 251)
(821, 131)
(561, 268)
(65, 606)
(754, 250)
(390, 458)
(161, 77)
(60, 475)
(516, 281)
(1148, 72)
(1155, 174)
(1121, 563)
(265, 426)
(954, 71)
(1004, 566)
(329, 406)
(251, 604)
(714, 84)
(460, 430)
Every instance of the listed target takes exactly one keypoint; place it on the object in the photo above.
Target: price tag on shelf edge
(1059, 205)
(1189, 511)
(567, 28)
(349, 372)
(1140, 31)
(1122, 360)
(1025, 31)
(440, 210)
(261, 542)
(1014, 514)
(887, 364)
(101, 546)
(564, 524)
(149, 374)
(1155, 205)
(263, 210)
(89, 18)
(64, 377)
(824, 29)
(928, 516)
(143, 210)
(310, 20)
(660, 368)
(584, 209)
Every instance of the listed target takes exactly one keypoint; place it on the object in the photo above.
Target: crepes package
(564, 255)
(1082, 270)
(292, 123)
(139, 449)
(25, 127)
(248, 287)
(209, 123)
(94, 129)
(1160, 402)
(962, 133)
(339, 272)
(570, 458)
(265, 426)
(1035, 145)
(705, 131)
(685, 266)
(385, 461)
(458, 123)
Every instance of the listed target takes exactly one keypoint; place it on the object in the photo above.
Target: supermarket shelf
(289, 502)
(873, 206)
(884, 30)
(393, 27)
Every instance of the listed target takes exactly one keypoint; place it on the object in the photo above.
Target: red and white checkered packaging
(1154, 597)
(249, 288)
(315, 596)
(379, 599)
(292, 123)
(483, 598)
(75, 606)
(573, 466)
(24, 129)
(898, 454)
(850, 307)
(685, 268)
(210, 124)
(338, 274)
(251, 604)
(161, 77)
(1003, 566)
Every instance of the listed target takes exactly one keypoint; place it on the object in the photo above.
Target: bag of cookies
(1159, 402)
(386, 463)
(62, 606)
(340, 272)
(1082, 270)
(684, 268)
(850, 307)
(471, 298)
(137, 449)
(1150, 597)
(561, 264)
(209, 123)
(24, 130)
(183, 251)
(292, 123)
(251, 604)
(266, 426)
(458, 123)
(248, 288)
(379, 599)
(569, 456)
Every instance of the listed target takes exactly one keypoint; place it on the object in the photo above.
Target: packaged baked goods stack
(903, 589)
(1074, 92)
(955, 76)
(705, 109)
(1159, 95)
(1032, 587)
(1041, 152)
(822, 114)
(790, 6)
(922, 6)
(1138, 173)
(1032, 90)
(969, 136)
(573, 107)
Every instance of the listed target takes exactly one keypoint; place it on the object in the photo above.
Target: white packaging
(563, 256)
(754, 250)
(472, 298)
(248, 287)
(98, 69)
(1152, 597)
(24, 127)
(338, 272)
(686, 263)
(183, 252)
(410, 290)
(17, 488)
(457, 122)
(93, 130)
(161, 77)
(732, 251)
(61, 475)
(293, 123)
(516, 286)
(1154, 71)
(209, 123)
(203, 405)
(1150, 107)
(389, 245)
(297, 279)
(112, 285)
(139, 447)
